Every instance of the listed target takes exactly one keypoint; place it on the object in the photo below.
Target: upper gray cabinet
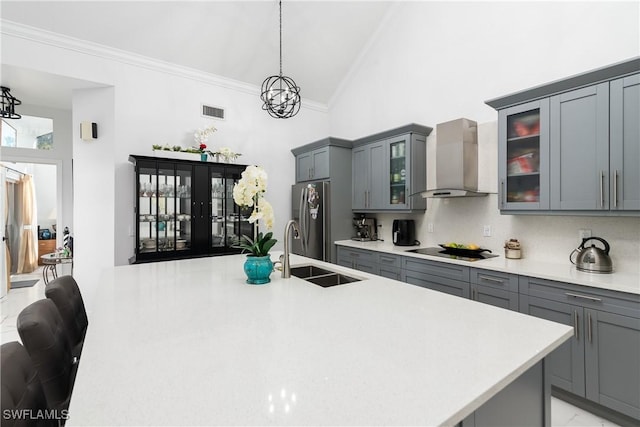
(523, 153)
(316, 161)
(624, 149)
(572, 146)
(579, 144)
(388, 169)
(313, 165)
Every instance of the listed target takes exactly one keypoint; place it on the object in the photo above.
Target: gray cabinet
(600, 362)
(368, 177)
(572, 146)
(313, 165)
(388, 168)
(523, 156)
(624, 144)
(579, 143)
(612, 355)
(566, 363)
(357, 259)
(321, 160)
(452, 279)
(494, 288)
(390, 266)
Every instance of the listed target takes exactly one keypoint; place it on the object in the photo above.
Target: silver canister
(512, 249)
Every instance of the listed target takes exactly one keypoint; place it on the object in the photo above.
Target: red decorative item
(203, 146)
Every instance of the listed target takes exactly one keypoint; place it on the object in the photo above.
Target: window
(27, 132)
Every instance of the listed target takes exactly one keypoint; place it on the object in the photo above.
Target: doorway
(26, 241)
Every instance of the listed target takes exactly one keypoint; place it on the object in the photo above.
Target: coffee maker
(365, 229)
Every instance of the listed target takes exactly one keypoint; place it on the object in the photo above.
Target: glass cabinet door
(165, 221)
(398, 171)
(524, 156)
(147, 192)
(182, 217)
(217, 209)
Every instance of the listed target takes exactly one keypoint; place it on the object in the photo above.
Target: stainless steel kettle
(592, 259)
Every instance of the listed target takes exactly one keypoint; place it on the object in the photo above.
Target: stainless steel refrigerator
(324, 216)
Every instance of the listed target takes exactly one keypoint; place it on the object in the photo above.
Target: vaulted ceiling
(234, 39)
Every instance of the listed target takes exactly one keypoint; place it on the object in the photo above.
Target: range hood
(456, 160)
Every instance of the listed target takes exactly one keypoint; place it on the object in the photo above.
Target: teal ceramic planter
(258, 269)
(203, 157)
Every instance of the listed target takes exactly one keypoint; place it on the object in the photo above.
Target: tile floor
(563, 414)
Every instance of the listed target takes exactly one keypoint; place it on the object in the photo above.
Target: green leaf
(268, 245)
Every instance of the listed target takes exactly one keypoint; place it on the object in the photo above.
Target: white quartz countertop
(563, 272)
(190, 343)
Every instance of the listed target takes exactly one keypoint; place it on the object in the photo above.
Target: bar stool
(22, 393)
(44, 335)
(65, 293)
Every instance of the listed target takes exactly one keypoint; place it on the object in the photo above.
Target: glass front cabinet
(523, 151)
(185, 209)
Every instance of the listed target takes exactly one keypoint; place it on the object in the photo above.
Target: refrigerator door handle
(307, 221)
(302, 220)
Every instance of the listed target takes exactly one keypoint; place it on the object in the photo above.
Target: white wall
(436, 61)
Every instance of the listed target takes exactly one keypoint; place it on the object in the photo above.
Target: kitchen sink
(320, 276)
(331, 280)
(305, 271)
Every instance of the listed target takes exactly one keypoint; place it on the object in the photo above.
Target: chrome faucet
(284, 258)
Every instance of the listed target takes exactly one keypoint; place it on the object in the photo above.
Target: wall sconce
(88, 131)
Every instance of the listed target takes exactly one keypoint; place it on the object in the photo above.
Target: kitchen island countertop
(562, 272)
(189, 342)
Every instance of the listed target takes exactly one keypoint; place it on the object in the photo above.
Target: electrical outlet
(584, 233)
(486, 231)
(430, 227)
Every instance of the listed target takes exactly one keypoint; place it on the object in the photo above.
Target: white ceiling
(234, 39)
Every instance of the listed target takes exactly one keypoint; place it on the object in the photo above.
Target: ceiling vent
(214, 112)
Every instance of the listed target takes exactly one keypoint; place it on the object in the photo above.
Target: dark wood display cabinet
(185, 209)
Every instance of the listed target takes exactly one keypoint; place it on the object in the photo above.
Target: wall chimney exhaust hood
(456, 160)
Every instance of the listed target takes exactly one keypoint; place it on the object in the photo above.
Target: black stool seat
(44, 335)
(65, 293)
(22, 394)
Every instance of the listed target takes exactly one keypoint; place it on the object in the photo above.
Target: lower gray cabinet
(612, 361)
(566, 363)
(494, 288)
(390, 266)
(449, 278)
(358, 259)
(600, 362)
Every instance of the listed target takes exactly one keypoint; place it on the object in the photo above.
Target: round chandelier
(280, 94)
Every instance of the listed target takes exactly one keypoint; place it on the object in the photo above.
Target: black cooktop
(446, 254)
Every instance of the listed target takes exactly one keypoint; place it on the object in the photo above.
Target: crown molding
(85, 47)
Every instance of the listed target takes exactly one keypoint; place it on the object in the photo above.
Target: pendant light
(280, 94)
(8, 104)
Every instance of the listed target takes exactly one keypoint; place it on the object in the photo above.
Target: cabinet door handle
(589, 332)
(571, 294)
(602, 189)
(491, 279)
(502, 195)
(474, 294)
(576, 327)
(201, 209)
(313, 172)
(615, 188)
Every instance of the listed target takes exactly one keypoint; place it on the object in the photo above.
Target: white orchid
(249, 192)
(227, 154)
(201, 136)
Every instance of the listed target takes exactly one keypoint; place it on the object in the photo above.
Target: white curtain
(28, 252)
